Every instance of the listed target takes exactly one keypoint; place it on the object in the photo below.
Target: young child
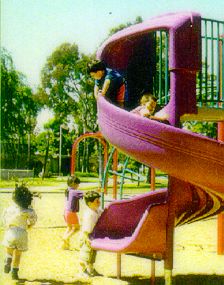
(147, 106)
(90, 217)
(17, 218)
(147, 109)
(71, 208)
(108, 83)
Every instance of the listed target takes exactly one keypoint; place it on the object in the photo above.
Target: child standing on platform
(108, 82)
(17, 218)
(90, 218)
(71, 208)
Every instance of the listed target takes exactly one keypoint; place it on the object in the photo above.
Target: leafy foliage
(18, 112)
(205, 128)
(67, 88)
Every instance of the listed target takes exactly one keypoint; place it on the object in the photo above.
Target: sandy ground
(195, 257)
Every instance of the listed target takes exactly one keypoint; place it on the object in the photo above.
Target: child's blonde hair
(147, 97)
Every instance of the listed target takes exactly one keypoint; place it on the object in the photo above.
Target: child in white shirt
(17, 218)
(90, 218)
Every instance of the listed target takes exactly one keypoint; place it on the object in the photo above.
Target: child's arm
(160, 116)
(31, 219)
(96, 91)
(106, 85)
(145, 113)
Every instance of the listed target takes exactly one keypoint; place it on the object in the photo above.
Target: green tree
(18, 115)
(67, 88)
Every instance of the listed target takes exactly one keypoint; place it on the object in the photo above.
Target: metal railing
(210, 78)
(210, 86)
(161, 80)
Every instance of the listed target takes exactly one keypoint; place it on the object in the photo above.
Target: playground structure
(109, 161)
(193, 162)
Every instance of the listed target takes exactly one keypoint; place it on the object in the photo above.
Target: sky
(32, 29)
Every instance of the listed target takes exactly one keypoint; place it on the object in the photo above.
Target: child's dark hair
(22, 196)
(73, 180)
(90, 196)
(70, 181)
(96, 66)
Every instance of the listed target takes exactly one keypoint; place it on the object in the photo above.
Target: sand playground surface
(45, 263)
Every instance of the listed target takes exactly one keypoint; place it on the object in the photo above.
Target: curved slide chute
(196, 184)
(194, 163)
(180, 153)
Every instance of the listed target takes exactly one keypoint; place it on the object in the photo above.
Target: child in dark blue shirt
(108, 83)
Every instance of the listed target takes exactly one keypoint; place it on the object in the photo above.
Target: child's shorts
(121, 94)
(71, 218)
(17, 238)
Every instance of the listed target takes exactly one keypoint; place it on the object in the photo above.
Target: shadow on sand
(51, 282)
(181, 280)
(137, 280)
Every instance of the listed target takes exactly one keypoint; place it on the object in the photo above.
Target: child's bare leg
(16, 258)
(66, 232)
(71, 229)
(9, 251)
(8, 259)
(15, 263)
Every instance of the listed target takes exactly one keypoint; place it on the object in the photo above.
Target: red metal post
(101, 139)
(153, 179)
(118, 265)
(220, 246)
(220, 242)
(153, 272)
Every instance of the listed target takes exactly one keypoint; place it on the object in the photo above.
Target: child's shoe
(65, 244)
(93, 272)
(15, 274)
(90, 272)
(84, 274)
(7, 267)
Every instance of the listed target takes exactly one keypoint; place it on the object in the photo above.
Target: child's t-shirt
(15, 216)
(116, 81)
(72, 201)
(141, 111)
(90, 219)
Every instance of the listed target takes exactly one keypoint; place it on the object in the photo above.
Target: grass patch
(53, 181)
(161, 182)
